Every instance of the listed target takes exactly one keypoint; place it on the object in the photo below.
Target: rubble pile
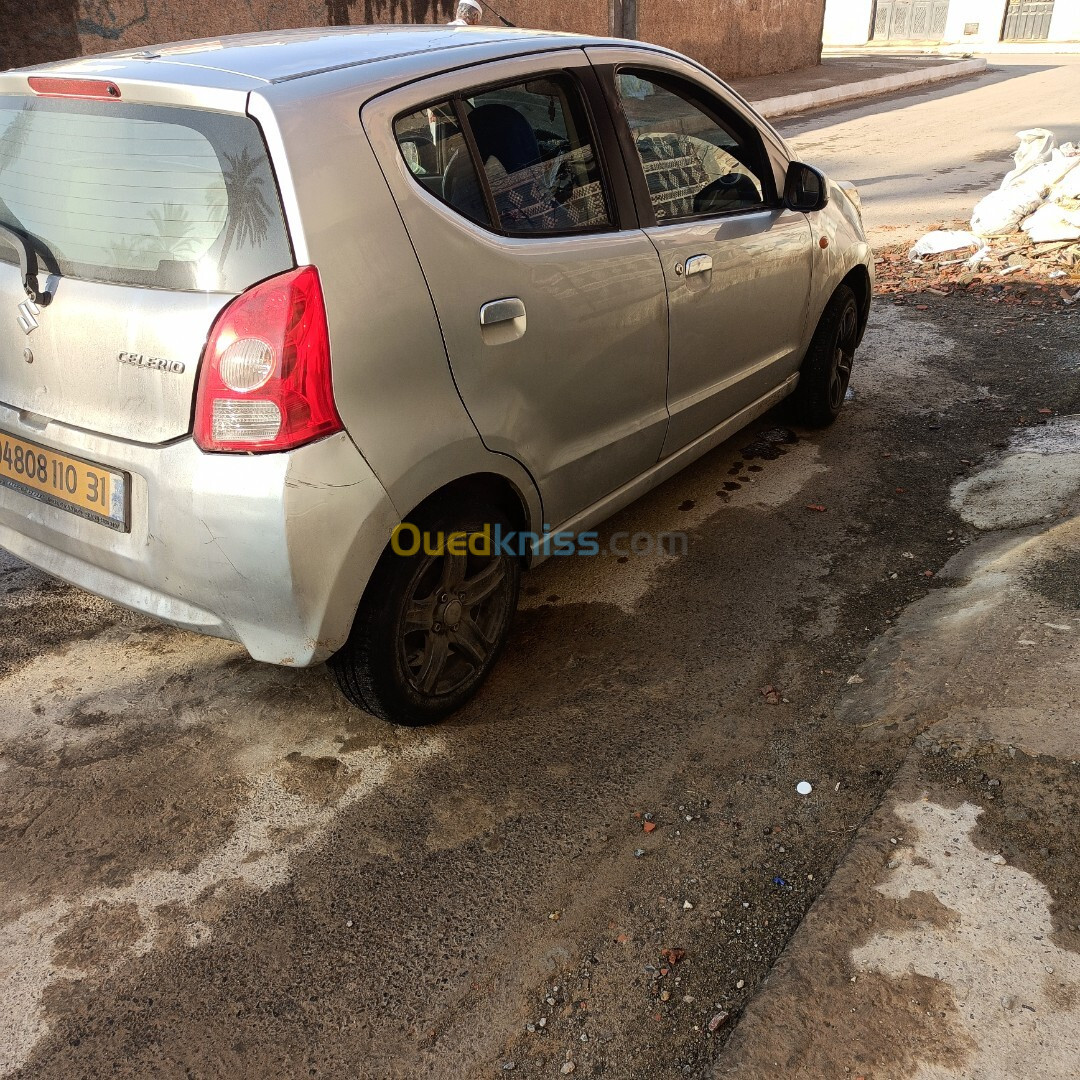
(1023, 239)
(1044, 272)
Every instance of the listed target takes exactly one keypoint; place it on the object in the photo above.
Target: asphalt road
(213, 868)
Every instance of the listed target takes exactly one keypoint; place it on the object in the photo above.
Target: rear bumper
(271, 550)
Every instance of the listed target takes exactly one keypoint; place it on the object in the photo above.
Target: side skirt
(603, 508)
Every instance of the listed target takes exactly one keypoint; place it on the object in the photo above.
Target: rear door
(550, 298)
(737, 263)
(145, 220)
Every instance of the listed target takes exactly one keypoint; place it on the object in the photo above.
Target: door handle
(698, 264)
(501, 311)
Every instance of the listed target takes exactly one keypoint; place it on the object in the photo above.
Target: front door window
(696, 164)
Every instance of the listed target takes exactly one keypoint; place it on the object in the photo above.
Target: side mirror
(805, 189)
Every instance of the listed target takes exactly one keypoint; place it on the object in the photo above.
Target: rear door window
(520, 158)
(157, 196)
(434, 148)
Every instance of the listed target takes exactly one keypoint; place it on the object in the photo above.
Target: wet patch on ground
(768, 445)
(1028, 812)
(1058, 578)
(43, 614)
(1009, 979)
(945, 945)
(828, 1016)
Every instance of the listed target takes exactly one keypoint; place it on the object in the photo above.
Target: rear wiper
(27, 263)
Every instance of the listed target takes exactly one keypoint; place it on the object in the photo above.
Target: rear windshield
(149, 195)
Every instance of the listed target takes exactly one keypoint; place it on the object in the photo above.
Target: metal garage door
(1028, 20)
(910, 20)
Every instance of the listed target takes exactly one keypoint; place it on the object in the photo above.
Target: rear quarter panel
(392, 379)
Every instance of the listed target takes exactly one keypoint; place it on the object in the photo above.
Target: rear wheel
(431, 625)
(826, 369)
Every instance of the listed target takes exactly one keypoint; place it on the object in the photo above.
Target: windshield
(147, 195)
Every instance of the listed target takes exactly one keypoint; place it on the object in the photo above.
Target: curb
(856, 91)
(981, 48)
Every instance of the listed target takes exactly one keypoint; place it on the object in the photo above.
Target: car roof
(280, 56)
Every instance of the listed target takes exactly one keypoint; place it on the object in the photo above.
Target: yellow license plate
(80, 487)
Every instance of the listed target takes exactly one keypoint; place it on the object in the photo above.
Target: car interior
(536, 150)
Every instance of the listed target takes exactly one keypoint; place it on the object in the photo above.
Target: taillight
(265, 381)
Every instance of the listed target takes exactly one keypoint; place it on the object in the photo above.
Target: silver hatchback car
(315, 340)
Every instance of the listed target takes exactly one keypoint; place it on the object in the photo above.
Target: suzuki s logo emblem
(27, 310)
(153, 363)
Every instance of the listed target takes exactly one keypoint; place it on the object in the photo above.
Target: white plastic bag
(1040, 179)
(1053, 222)
(1043, 172)
(1068, 187)
(942, 240)
(1001, 211)
(1036, 145)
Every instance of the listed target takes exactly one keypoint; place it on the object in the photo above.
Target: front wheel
(826, 369)
(433, 622)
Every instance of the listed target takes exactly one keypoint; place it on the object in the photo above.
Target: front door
(737, 263)
(910, 20)
(1028, 20)
(554, 316)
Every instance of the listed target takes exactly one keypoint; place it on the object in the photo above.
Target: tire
(826, 368)
(419, 649)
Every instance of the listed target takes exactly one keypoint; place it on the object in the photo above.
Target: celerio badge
(153, 363)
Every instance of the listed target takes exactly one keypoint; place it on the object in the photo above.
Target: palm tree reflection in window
(175, 229)
(12, 142)
(128, 253)
(248, 211)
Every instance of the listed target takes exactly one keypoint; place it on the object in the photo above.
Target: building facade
(735, 38)
(975, 24)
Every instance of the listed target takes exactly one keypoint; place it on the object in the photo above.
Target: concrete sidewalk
(840, 79)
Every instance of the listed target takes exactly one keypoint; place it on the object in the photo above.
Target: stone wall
(737, 38)
(34, 31)
(734, 37)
